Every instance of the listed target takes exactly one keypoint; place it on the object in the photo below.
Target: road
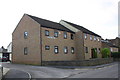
(17, 71)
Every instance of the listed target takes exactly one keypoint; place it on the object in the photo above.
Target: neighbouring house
(115, 42)
(35, 40)
(107, 44)
(4, 55)
(9, 50)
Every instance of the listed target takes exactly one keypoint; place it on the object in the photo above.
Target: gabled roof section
(49, 24)
(84, 30)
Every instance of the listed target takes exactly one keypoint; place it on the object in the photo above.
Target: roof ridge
(42, 18)
(83, 28)
(49, 24)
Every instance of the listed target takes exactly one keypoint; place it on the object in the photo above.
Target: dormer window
(90, 37)
(25, 35)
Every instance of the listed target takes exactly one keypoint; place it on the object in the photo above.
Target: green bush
(105, 52)
(115, 54)
(95, 53)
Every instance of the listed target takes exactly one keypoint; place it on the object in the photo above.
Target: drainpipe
(41, 44)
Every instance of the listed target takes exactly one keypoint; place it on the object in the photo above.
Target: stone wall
(90, 62)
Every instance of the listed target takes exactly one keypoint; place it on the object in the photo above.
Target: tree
(105, 52)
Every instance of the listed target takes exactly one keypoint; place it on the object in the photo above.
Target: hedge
(115, 54)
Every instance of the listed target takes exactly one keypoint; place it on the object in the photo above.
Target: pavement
(28, 71)
(5, 70)
(84, 67)
(17, 73)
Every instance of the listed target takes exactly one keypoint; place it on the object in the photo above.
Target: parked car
(3, 59)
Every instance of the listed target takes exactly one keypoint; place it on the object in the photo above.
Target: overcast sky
(99, 16)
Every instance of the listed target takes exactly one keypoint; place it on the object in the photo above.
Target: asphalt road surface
(28, 71)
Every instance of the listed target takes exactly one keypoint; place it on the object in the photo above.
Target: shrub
(105, 52)
(115, 54)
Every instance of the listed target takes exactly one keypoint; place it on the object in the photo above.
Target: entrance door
(92, 53)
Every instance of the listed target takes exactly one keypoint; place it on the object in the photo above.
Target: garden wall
(90, 62)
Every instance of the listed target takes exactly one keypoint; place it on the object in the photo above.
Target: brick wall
(90, 62)
(49, 55)
(32, 42)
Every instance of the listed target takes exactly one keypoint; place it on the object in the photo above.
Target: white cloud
(96, 15)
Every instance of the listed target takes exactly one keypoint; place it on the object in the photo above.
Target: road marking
(81, 68)
(30, 77)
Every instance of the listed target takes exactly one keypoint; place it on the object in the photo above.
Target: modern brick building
(35, 40)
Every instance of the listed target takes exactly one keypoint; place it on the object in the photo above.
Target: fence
(90, 62)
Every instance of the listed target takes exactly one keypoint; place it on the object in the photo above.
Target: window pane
(56, 34)
(72, 50)
(56, 49)
(65, 50)
(98, 39)
(86, 49)
(98, 50)
(65, 35)
(25, 35)
(72, 37)
(95, 38)
(47, 47)
(90, 37)
(85, 36)
(25, 51)
(46, 33)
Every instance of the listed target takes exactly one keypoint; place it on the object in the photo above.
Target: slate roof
(82, 29)
(110, 44)
(50, 24)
